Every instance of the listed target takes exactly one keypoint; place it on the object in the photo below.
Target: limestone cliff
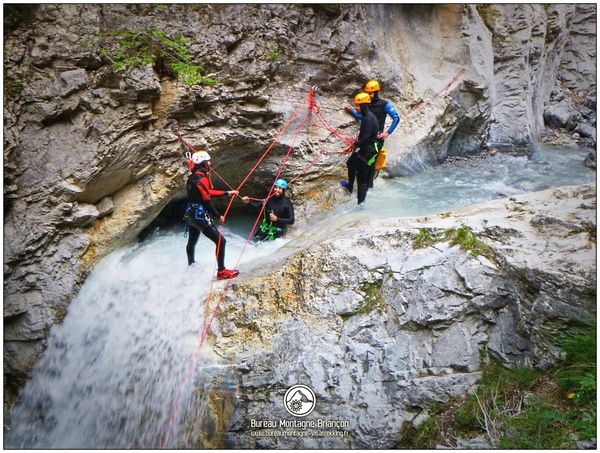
(380, 330)
(89, 160)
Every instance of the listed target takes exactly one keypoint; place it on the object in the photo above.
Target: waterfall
(116, 369)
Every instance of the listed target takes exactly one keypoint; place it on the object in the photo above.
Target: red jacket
(200, 191)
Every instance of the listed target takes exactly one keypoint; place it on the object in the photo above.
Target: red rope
(280, 170)
(228, 284)
(332, 131)
(178, 134)
(308, 166)
(281, 167)
(207, 326)
(420, 104)
(221, 178)
(312, 107)
(273, 142)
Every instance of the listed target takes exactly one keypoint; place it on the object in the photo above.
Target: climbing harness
(268, 228)
(196, 211)
(374, 156)
(192, 211)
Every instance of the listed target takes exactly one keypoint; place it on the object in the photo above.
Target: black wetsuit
(358, 163)
(284, 210)
(200, 214)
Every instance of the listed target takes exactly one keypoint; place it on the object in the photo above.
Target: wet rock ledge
(381, 330)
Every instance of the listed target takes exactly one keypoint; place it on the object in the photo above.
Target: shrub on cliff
(129, 49)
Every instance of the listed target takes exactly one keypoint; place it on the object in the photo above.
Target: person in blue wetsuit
(381, 109)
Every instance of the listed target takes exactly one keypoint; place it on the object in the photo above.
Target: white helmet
(199, 157)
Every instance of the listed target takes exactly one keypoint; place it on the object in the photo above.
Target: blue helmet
(281, 183)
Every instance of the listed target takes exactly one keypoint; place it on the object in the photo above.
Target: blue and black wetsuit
(381, 109)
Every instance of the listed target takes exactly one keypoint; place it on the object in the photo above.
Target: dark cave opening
(240, 218)
(169, 219)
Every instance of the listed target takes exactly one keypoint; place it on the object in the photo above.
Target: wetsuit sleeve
(356, 114)
(216, 192)
(256, 204)
(287, 217)
(206, 201)
(206, 182)
(391, 111)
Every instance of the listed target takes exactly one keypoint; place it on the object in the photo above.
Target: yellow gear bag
(380, 162)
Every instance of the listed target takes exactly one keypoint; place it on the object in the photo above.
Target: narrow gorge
(378, 328)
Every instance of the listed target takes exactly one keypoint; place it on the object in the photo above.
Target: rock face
(380, 330)
(572, 104)
(89, 159)
(577, 70)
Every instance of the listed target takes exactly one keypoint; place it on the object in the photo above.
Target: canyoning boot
(346, 186)
(225, 274)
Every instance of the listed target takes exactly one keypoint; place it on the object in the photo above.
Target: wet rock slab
(380, 331)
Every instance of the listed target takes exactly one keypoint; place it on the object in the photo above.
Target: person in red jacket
(201, 212)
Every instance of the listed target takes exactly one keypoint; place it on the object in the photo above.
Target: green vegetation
(488, 14)
(428, 434)
(130, 49)
(424, 238)
(577, 374)
(373, 300)
(468, 242)
(273, 55)
(424, 437)
(12, 89)
(462, 236)
(523, 408)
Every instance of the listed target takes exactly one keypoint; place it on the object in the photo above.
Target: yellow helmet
(372, 86)
(362, 98)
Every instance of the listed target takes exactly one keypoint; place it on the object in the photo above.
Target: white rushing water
(116, 367)
(472, 181)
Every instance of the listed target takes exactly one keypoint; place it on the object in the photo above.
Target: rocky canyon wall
(90, 161)
(381, 329)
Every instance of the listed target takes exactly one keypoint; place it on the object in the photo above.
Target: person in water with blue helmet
(278, 213)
